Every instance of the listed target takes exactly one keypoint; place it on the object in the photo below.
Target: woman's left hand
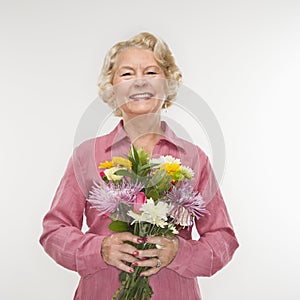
(165, 251)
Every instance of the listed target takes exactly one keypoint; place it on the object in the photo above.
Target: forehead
(135, 57)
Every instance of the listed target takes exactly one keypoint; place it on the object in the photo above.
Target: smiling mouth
(141, 96)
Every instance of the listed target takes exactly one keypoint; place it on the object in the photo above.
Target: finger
(123, 267)
(113, 253)
(162, 241)
(120, 252)
(151, 262)
(149, 252)
(156, 268)
(126, 236)
(127, 258)
(126, 248)
(119, 260)
(156, 240)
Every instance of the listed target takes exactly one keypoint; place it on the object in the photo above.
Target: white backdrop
(242, 57)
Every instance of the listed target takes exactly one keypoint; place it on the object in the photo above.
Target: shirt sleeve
(217, 242)
(62, 237)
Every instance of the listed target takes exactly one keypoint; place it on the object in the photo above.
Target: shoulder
(89, 146)
(187, 149)
(198, 159)
(191, 151)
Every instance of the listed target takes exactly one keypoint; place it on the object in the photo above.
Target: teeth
(141, 96)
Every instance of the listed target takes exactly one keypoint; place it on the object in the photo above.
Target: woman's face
(139, 83)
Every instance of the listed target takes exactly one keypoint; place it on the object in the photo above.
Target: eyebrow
(131, 67)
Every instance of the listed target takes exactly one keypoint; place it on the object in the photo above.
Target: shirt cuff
(183, 256)
(88, 255)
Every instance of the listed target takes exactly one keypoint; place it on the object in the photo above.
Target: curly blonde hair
(163, 56)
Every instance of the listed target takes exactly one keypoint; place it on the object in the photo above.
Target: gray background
(242, 57)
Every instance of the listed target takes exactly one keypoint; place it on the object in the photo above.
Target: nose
(140, 82)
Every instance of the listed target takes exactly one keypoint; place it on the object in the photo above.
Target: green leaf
(143, 156)
(118, 226)
(135, 155)
(148, 166)
(152, 193)
(122, 172)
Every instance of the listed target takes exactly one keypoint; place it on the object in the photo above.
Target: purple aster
(107, 197)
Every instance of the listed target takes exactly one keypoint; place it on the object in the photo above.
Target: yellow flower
(121, 162)
(106, 165)
(170, 168)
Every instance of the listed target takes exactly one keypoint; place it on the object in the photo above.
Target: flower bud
(139, 201)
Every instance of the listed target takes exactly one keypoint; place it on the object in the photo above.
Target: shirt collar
(171, 137)
(119, 135)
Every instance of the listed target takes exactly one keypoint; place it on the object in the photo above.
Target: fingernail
(135, 253)
(140, 240)
(135, 264)
(142, 275)
(145, 239)
(131, 271)
(143, 258)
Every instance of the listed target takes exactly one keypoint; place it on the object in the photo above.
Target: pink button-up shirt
(64, 241)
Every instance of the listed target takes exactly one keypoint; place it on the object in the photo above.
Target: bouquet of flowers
(148, 197)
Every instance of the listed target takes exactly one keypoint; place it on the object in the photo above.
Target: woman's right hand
(116, 252)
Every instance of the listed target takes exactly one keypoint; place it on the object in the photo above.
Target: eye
(151, 73)
(126, 74)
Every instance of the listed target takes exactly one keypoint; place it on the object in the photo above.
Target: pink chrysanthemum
(185, 204)
(108, 198)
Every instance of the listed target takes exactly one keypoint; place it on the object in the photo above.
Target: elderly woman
(139, 78)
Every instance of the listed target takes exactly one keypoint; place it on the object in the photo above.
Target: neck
(144, 131)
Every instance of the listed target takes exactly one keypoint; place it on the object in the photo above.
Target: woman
(139, 78)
